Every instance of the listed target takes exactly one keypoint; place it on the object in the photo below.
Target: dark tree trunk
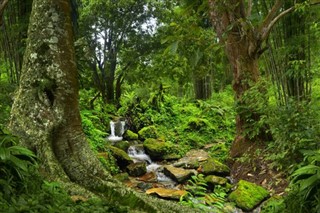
(45, 113)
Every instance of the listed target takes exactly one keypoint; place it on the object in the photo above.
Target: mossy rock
(148, 132)
(215, 167)
(129, 135)
(123, 145)
(121, 157)
(248, 195)
(158, 149)
(137, 169)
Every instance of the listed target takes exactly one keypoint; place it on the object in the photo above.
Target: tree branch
(272, 18)
(266, 31)
(3, 5)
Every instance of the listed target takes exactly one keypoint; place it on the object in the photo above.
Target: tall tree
(244, 44)
(109, 28)
(45, 113)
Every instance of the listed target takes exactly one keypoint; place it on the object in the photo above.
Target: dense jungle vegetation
(239, 79)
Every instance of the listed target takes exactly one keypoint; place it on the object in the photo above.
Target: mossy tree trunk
(45, 113)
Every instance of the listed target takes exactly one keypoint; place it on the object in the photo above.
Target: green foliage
(293, 127)
(16, 163)
(95, 135)
(198, 196)
(188, 123)
(305, 184)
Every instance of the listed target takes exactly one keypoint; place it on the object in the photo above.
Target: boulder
(123, 145)
(214, 167)
(173, 194)
(148, 132)
(248, 195)
(198, 154)
(159, 150)
(121, 157)
(129, 135)
(177, 174)
(137, 169)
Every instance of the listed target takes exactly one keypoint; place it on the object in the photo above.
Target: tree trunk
(243, 44)
(45, 113)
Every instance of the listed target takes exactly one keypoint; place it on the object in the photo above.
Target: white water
(137, 154)
(113, 137)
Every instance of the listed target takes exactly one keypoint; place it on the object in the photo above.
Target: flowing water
(137, 154)
(114, 137)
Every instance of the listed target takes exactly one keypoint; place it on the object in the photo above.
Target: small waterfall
(117, 129)
(137, 154)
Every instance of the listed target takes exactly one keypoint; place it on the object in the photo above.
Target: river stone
(215, 167)
(216, 180)
(173, 194)
(148, 177)
(177, 174)
(121, 156)
(137, 169)
(129, 135)
(248, 195)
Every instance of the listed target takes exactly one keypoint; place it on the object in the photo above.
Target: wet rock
(129, 135)
(121, 157)
(157, 149)
(148, 177)
(248, 195)
(148, 132)
(144, 186)
(173, 194)
(137, 169)
(214, 167)
(177, 174)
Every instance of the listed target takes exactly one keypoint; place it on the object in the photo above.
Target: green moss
(121, 156)
(129, 135)
(148, 132)
(248, 195)
(158, 149)
(123, 145)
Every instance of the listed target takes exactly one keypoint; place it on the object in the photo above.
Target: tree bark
(45, 113)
